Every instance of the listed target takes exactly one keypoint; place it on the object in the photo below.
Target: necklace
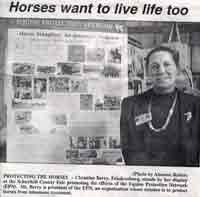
(170, 113)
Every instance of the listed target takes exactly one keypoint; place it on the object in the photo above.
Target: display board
(64, 93)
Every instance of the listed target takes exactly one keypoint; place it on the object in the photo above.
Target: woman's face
(162, 69)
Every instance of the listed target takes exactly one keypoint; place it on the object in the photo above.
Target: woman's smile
(162, 69)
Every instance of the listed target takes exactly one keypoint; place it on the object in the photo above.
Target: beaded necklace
(170, 113)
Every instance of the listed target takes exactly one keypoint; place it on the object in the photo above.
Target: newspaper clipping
(99, 98)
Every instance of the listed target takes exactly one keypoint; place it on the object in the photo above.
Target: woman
(161, 126)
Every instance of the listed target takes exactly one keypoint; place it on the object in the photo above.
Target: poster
(72, 80)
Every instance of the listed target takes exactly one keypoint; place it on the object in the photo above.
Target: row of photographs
(92, 156)
(87, 102)
(76, 142)
(108, 103)
(28, 88)
(25, 117)
(97, 142)
(27, 120)
(79, 53)
(68, 69)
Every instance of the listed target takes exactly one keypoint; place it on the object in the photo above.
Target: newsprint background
(62, 80)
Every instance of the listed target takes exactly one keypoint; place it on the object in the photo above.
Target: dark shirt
(178, 145)
(163, 148)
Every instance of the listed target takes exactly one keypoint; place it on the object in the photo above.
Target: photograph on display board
(76, 53)
(95, 55)
(112, 157)
(111, 102)
(23, 68)
(86, 102)
(79, 142)
(22, 117)
(79, 85)
(72, 154)
(22, 87)
(97, 142)
(114, 55)
(114, 142)
(88, 154)
(110, 71)
(92, 71)
(99, 104)
(28, 129)
(46, 69)
(40, 88)
(59, 119)
(68, 69)
(59, 84)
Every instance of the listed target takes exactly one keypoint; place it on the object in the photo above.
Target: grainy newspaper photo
(99, 106)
